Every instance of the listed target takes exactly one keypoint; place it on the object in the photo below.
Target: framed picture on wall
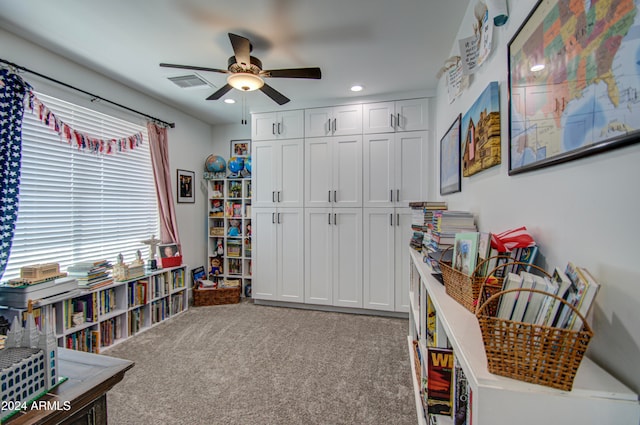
(186, 192)
(573, 83)
(240, 148)
(450, 159)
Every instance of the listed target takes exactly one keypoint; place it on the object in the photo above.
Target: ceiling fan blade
(274, 94)
(195, 68)
(313, 73)
(241, 49)
(221, 92)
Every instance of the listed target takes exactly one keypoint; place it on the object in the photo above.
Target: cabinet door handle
(279, 200)
(397, 219)
(278, 218)
(329, 192)
(329, 217)
(273, 196)
(273, 218)
(391, 220)
(335, 219)
(391, 195)
(273, 129)
(397, 195)
(391, 115)
(335, 196)
(279, 129)
(329, 125)
(398, 120)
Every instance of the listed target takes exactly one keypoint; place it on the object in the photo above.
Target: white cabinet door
(403, 235)
(289, 163)
(318, 248)
(378, 117)
(410, 167)
(378, 170)
(264, 174)
(263, 126)
(317, 172)
(347, 257)
(290, 254)
(318, 122)
(379, 258)
(412, 115)
(265, 258)
(347, 120)
(346, 171)
(290, 124)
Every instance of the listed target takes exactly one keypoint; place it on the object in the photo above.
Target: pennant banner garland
(77, 138)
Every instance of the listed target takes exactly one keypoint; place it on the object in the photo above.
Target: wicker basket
(532, 353)
(466, 289)
(218, 296)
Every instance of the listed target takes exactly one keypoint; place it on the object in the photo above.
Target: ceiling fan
(246, 73)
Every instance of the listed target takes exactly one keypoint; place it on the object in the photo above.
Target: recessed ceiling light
(229, 101)
(537, 67)
(357, 87)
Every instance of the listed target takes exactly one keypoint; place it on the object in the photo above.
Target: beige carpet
(248, 364)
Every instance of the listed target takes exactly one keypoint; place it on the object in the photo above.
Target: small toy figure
(234, 228)
(216, 208)
(220, 248)
(248, 233)
(216, 268)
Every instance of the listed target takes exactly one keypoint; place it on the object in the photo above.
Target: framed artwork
(240, 148)
(186, 191)
(481, 132)
(168, 250)
(450, 159)
(573, 82)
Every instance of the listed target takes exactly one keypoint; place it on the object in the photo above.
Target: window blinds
(79, 206)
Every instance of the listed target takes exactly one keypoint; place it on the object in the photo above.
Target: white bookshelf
(596, 397)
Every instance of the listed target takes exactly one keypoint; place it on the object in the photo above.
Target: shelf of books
(95, 319)
(452, 383)
(229, 246)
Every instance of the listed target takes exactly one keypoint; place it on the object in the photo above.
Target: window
(79, 206)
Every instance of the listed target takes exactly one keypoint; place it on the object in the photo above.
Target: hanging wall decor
(573, 82)
(186, 191)
(481, 132)
(450, 159)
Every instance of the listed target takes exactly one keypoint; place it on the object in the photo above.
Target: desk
(90, 376)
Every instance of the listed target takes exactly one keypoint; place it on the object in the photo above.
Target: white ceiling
(389, 46)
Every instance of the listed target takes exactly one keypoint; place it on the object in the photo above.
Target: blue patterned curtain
(12, 93)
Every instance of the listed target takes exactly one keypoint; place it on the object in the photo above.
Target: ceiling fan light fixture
(245, 81)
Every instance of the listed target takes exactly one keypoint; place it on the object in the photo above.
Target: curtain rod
(94, 96)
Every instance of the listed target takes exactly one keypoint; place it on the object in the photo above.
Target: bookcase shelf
(229, 240)
(596, 397)
(116, 312)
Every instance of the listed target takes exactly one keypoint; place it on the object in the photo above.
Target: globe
(247, 164)
(215, 164)
(236, 164)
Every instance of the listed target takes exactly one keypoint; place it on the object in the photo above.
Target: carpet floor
(248, 364)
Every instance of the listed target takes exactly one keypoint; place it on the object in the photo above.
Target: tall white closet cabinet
(330, 206)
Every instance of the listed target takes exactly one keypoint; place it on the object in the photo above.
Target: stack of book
(575, 285)
(91, 274)
(442, 234)
(421, 218)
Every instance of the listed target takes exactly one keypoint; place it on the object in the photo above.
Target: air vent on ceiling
(191, 81)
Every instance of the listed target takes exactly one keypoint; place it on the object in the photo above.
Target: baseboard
(332, 309)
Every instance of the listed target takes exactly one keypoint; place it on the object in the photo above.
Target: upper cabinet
(277, 125)
(333, 121)
(401, 115)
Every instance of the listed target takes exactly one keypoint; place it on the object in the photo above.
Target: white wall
(189, 142)
(584, 211)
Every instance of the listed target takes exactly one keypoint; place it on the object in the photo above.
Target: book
(508, 300)
(552, 287)
(484, 250)
(465, 252)
(522, 297)
(461, 414)
(556, 307)
(440, 365)
(432, 337)
(586, 300)
(535, 298)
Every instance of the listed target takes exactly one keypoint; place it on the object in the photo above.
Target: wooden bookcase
(229, 238)
(94, 320)
(596, 397)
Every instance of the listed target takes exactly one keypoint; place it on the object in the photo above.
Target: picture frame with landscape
(450, 178)
(562, 104)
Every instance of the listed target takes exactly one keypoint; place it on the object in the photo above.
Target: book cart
(596, 396)
(94, 320)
